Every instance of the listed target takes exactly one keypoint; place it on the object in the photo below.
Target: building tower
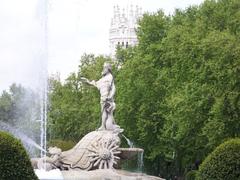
(123, 28)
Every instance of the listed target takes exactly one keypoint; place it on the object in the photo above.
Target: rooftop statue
(107, 90)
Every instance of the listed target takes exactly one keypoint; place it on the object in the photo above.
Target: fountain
(130, 143)
(97, 154)
(43, 122)
(25, 139)
(140, 161)
(42, 9)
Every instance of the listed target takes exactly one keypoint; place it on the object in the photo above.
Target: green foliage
(191, 175)
(123, 54)
(223, 163)
(14, 161)
(5, 106)
(63, 145)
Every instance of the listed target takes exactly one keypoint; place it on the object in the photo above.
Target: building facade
(123, 28)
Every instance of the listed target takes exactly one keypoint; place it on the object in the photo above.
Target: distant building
(123, 27)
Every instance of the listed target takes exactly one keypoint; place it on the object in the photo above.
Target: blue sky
(74, 27)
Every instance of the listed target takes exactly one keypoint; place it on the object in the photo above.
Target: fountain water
(139, 152)
(42, 9)
(43, 122)
(25, 139)
(130, 143)
(140, 161)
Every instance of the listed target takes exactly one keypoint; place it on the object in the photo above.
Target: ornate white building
(123, 27)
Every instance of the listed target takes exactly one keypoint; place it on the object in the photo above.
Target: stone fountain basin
(99, 174)
(129, 153)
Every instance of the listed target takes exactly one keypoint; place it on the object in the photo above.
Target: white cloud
(19, 43)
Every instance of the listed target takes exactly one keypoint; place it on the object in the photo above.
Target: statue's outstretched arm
(89, 82)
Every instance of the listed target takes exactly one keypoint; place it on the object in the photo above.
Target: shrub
(191, 175)
(223, 163)
(14, 161)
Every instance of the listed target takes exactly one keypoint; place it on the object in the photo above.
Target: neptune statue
(107, 90)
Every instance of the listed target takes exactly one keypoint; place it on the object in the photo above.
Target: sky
(74, 27)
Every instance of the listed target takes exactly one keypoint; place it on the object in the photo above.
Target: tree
(178, 95)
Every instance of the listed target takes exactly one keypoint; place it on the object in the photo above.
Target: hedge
(223, 163)
(14, 161)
